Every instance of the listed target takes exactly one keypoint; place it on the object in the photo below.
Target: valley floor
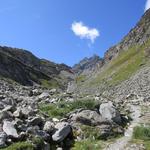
(51, 119)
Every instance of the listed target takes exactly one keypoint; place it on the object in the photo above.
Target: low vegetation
(87, 145)
(80, 78)
(49, 84)
(60, 109)
(90, 133)
(38, 143)
(141, 134)
(20, 146)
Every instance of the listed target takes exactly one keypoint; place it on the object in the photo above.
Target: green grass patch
(147, 145)
(61, 109)
(87, 145)
(89, 132)
(20, 146)
(80, 78)
(49, 83)
(38, 142)
(141, 135)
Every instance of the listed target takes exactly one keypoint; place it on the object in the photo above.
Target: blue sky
(44, 26)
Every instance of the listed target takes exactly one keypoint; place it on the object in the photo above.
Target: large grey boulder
(63, 129)
(88, 117)
(9, 129)
(109, 112)
(3, 138)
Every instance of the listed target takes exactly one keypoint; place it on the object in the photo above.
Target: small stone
(44, 95)
(55, 120)
(18, 113)
(49, 126)
(36, 121)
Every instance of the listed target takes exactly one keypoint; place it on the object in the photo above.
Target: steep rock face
(88, 65)
(25, 68)
(137, 35)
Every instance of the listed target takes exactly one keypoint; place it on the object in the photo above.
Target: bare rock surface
(9, 129)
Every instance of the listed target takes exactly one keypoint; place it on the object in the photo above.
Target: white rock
(49, 126)
(9, 129)
(55, 120)
(109, 112)
(44, 95)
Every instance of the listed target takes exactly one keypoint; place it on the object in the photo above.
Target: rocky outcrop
(137, 35)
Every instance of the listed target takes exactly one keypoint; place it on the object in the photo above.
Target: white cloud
(147, 6)
(84, 32)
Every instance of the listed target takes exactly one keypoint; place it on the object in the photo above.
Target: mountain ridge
(30, 68)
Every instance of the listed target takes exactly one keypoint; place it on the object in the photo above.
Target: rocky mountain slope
(25, 68)
(120, 62)
(137, 36)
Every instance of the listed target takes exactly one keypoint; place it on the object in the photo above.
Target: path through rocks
(122, 142)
